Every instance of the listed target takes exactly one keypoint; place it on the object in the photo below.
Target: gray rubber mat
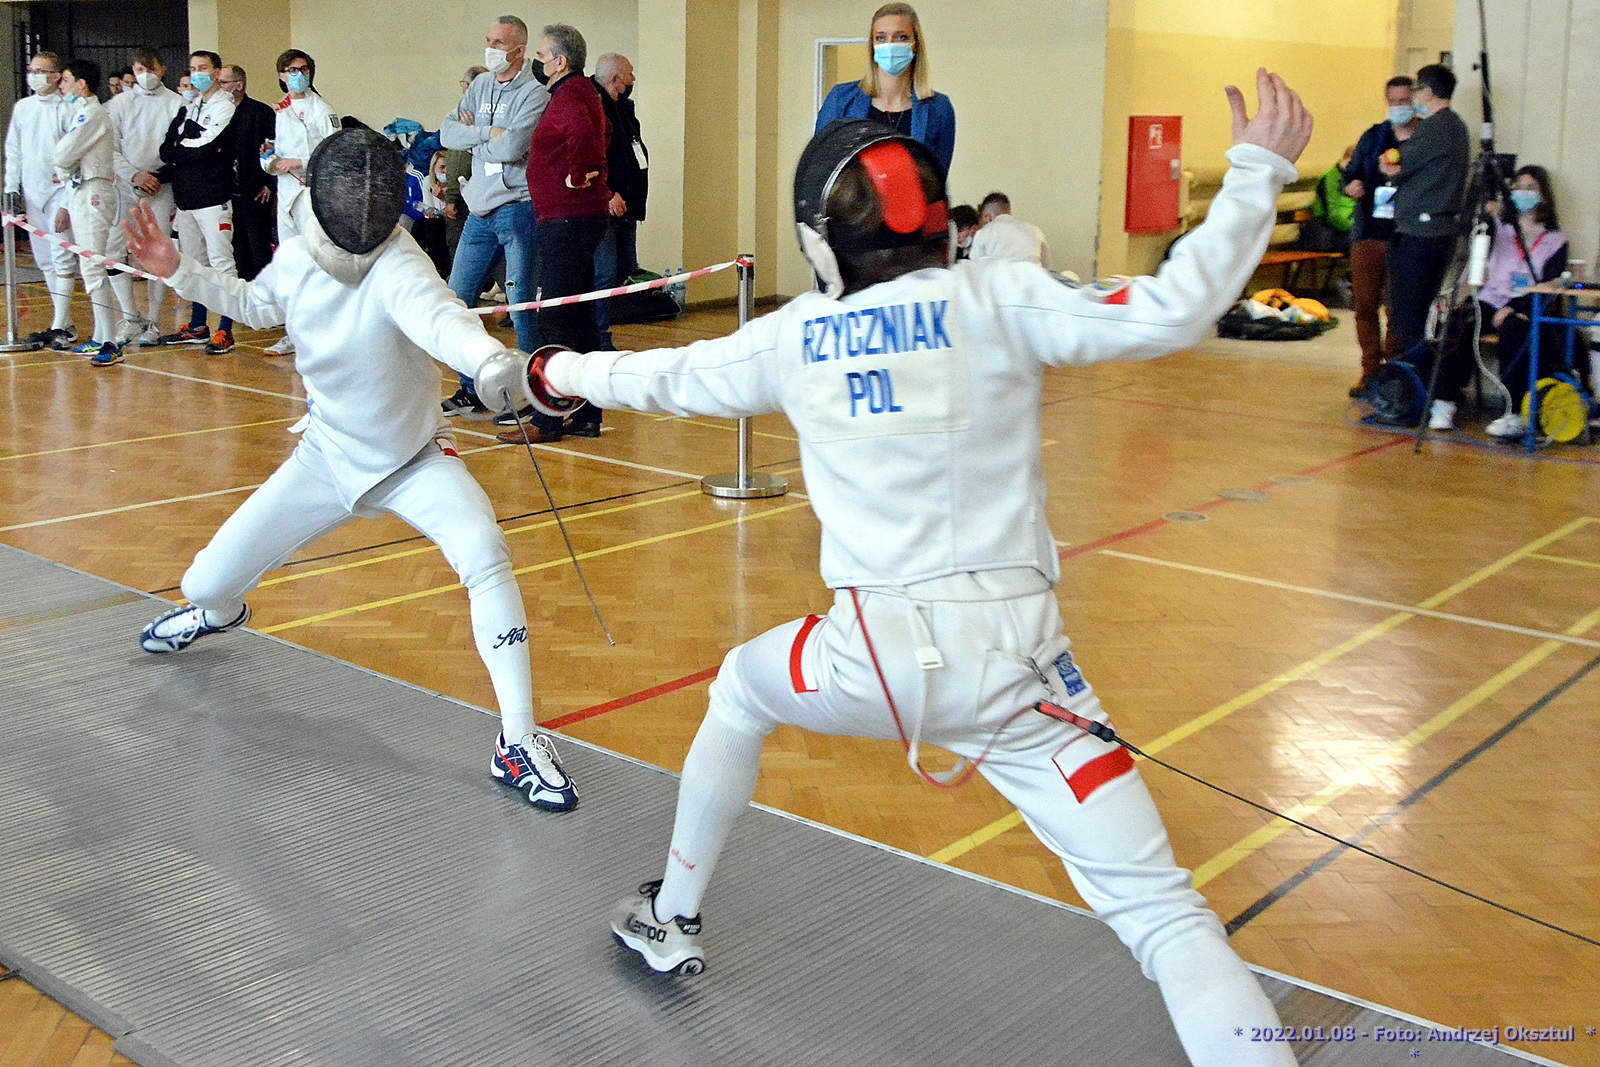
(251, 854)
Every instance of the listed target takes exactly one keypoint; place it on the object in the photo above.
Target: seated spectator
(965, 216)
(1504, 301)
(1332, 213)
(1001, 235)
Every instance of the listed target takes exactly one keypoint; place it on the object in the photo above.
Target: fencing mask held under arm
(358, 188)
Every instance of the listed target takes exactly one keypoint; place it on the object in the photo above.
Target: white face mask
(38, 81)
(496, 61)
(191, 95)
(148, 81)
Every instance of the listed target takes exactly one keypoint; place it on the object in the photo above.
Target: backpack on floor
(652, 305)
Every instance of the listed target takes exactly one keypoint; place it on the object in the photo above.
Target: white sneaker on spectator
(1508, 425)
(284, 347)
(1443, 416)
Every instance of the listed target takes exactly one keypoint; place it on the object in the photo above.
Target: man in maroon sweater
(567, 182)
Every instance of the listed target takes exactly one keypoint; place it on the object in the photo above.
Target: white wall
(1544, 67)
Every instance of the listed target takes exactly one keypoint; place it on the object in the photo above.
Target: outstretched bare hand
(149, 243)
(1281, 123)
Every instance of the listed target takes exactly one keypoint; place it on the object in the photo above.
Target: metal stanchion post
(11, 343)
(745, 484)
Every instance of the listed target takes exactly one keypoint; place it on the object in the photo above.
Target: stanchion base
(730, 487)
(18, 346)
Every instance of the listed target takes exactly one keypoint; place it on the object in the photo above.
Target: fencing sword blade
(527, 443)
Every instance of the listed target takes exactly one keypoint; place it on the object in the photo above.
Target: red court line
(709, 673)
(637, 698)
(1217, 502)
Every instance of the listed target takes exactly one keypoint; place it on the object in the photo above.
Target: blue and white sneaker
(87, 348)
(672, 946)
(182, 627)
(108, 354)
(534, 770)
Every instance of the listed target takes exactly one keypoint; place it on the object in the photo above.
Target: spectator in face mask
(253, 210)
(34, 188)
(896, 89)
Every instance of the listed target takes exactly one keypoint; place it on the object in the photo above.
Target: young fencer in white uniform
(369, 315)
(915, 393)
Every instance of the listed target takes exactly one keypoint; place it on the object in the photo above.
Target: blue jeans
(615, 261)
(509, 227)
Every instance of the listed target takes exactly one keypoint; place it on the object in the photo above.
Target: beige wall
(1172, 57)
(1026, 80)
(383, 59)
(251, 34)
(1426, 28)
(1542, 62)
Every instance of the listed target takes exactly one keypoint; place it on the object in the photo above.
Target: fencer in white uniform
(916, 398)
(369, 315)
(304, 120)
(37, 123)
(83, 162)
(139, 121)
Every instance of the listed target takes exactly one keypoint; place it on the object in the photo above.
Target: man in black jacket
(254, 123)
(198, 157)
(628, 163)
(1431, 180)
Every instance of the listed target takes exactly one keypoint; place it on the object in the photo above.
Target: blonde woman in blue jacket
(895, 89)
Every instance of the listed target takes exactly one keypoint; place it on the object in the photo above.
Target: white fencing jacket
(917, 400)
(139, 122)
(301, 125)
(365, 351)
(84, 152)
(37, 123)
(1008, 237)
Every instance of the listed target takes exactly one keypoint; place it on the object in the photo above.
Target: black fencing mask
(358, 188)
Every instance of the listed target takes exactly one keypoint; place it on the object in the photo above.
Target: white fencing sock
(60, 287)
(500, 630)
(719, 778)
(1210, 993)
(105, 322)
(122, 285)
(155, 296)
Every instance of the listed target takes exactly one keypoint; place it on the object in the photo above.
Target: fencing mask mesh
(358, 188)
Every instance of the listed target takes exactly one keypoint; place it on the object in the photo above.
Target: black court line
(499, 521)
(1305, 874)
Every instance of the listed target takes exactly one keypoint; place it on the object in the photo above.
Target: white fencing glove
(511, 380)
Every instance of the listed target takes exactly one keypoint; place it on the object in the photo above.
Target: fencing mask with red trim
(907, 216)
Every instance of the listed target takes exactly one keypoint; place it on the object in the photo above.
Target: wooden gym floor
(1395, 648)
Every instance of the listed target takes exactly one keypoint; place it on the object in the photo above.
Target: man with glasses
(34, 189)
(254, 124)
(304, 119)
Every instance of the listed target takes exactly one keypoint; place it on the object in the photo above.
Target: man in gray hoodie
(495, 121)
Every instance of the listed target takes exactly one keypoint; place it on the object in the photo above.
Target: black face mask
(539, 75)
(625, 93)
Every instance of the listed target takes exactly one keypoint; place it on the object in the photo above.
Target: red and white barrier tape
(77, 250)
(601, 294)
(532, 305)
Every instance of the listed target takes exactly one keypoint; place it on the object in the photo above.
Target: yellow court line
(169, 500)
(1566, 559)
(138, 440)
(1252, 843)
(562, 562)
(966, 844)
(735, 427)
(431, 547)
(43, 362)
(1349, 598)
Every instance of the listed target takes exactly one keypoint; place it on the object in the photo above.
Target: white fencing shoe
(182, 627)
(1507, 425)
(1442, 416)
(668, 947)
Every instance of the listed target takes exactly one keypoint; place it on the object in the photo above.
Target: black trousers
(566, 268)
(253, 226)
(1416, 267)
